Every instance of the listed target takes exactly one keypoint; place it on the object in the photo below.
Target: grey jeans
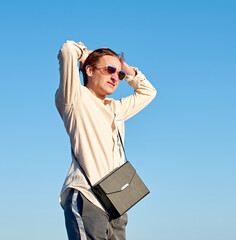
(85, 221)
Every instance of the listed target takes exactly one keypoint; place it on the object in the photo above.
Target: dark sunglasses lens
(111, 69)
(121, 75)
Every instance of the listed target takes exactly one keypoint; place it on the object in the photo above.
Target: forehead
(107, 59)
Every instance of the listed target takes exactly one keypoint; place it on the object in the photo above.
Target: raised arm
(70, 86)
(144, 92)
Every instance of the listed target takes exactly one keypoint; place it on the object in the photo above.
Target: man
(92, 122)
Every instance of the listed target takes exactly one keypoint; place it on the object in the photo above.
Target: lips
(111, 83)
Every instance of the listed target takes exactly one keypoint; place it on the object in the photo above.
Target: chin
(110, 91)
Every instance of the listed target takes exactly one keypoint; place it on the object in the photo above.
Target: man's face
(99, 83)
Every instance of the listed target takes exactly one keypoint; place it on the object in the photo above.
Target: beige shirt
(92, 125)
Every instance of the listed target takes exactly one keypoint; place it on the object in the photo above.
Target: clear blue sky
(185, 149)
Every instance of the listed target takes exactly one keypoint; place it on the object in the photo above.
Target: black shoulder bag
(120, 190)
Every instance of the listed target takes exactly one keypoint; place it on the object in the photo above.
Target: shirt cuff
(134, 80)
(84, 53)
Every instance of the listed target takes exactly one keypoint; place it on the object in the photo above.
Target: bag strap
(82, 170)
(122, 144)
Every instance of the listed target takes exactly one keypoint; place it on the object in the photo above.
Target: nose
(115, 77)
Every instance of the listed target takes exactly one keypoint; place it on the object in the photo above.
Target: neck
(101, 97)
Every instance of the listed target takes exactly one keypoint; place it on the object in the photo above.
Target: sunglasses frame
(115, 70)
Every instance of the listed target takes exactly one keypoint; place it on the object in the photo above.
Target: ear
(89, 70)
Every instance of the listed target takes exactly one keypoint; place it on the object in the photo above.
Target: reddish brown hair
(94, 57)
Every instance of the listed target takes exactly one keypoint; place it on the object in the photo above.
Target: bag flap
(119, 179)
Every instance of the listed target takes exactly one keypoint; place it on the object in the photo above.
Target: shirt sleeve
(144, 93)
(70, 86)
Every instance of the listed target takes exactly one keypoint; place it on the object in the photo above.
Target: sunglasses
(109, 70)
